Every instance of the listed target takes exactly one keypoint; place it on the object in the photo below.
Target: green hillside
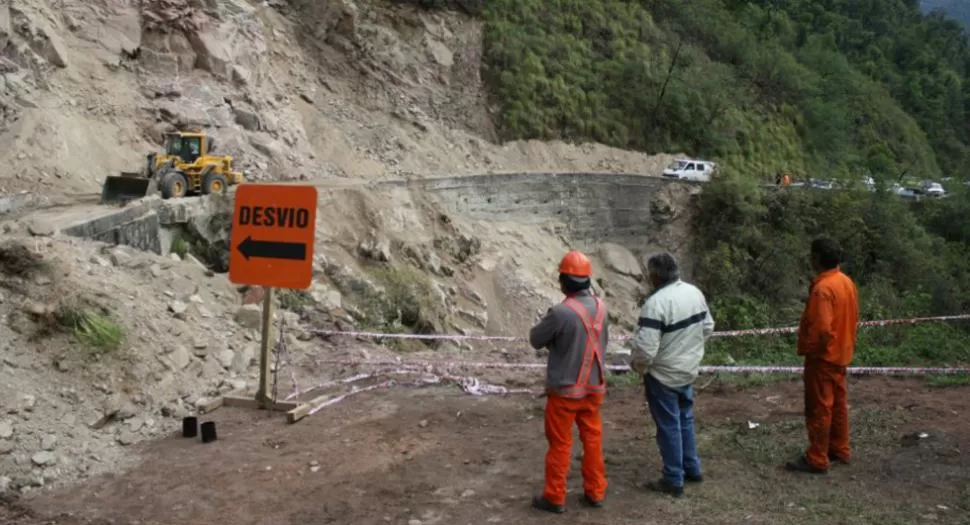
(822, 88)
(819, 87)
(958, 10)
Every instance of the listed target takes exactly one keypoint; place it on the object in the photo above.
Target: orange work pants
(826, 412)
(561, 412)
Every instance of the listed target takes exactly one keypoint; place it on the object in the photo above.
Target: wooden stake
(262, 394)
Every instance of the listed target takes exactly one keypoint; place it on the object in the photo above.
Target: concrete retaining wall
(136, 226)
(590, 208)
(595, 207)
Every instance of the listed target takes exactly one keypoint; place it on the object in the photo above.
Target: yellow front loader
(185, 168)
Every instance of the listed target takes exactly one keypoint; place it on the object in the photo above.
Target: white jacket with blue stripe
(673, 326)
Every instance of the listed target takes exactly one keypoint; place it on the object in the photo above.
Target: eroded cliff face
(294, 90)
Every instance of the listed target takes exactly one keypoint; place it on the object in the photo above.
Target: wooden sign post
(271, 245)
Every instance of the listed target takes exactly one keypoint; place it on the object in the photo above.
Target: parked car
(821, 184)
(933, 189)
(902, 191)
(691, 169)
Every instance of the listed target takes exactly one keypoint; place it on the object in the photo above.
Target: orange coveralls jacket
(828, 327)
(826, 338)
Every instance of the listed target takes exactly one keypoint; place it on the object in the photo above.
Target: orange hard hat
(576, 264)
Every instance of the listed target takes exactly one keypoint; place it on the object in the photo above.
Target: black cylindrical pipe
(208, 431)
(190, 427)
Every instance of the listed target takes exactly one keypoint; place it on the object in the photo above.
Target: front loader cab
(185, 146)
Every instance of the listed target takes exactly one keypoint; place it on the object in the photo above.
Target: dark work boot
(665, 487)
(837, 460)
(590, 502)
(698, 478)
(802, 465)
(540, 502)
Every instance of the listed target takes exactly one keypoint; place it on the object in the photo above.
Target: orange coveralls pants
(561, 412)
(826, 412)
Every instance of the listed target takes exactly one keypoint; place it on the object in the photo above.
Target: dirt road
(436, 456)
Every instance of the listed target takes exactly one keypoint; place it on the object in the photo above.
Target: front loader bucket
(126, 188)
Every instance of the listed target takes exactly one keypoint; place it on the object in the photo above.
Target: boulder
(226, 358)
(250, 316)
(40, 228)
(375, 247)
(120, 257)
(440, 53)
(180, 358)
(213, 52)
(247, 119)
(267, 146)
(620, 260)
(43, 458)
(326, 298)
(43, 38)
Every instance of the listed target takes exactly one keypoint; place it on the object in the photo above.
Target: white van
(691, 169)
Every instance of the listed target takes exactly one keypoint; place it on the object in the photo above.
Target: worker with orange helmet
(575, 332)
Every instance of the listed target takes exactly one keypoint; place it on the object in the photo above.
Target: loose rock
(43, 458)
(178, 309)
(120, 258)
(48, 442)
(225, 358)
(249, 316)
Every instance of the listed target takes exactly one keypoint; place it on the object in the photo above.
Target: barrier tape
(476, 387)
(470, 385)
(627, 337)
(858, 370)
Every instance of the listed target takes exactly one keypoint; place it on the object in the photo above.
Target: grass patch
(753, 379)
(623, 379)
(774, 442)
(928, 345)
(90, 324)
(98, 332)
(295, 300)
(948, 380)
(403, 303)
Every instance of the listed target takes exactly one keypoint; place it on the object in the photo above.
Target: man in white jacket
(668, 347)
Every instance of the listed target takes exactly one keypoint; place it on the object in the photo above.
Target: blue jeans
(673, 413)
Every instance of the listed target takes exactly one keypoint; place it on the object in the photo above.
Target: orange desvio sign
(272, 236)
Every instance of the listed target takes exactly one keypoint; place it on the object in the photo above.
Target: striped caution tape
(430, 365)
(627, 337)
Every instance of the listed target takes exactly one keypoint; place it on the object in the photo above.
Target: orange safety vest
(593, 350)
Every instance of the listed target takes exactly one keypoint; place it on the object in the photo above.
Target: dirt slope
(331, 88)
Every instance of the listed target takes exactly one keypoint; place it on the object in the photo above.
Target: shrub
(98, 332)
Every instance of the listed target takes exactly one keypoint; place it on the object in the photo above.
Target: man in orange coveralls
(576, 332)
(827, 338)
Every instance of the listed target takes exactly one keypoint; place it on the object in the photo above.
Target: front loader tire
(174, 185)
(214, 183)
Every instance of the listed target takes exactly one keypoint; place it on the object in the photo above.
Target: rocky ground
(75, 401)
(435, 456)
